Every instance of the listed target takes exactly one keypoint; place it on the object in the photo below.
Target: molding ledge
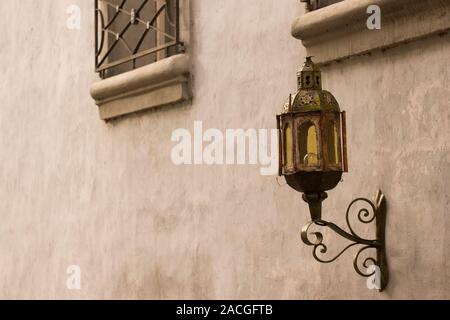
(159, 84)
(339, 31)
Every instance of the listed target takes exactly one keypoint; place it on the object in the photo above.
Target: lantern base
(314, 181)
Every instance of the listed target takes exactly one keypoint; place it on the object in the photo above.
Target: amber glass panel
(307, 137)
(332, 142)
(288, 147)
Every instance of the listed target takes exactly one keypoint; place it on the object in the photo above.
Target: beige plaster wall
(106, 197)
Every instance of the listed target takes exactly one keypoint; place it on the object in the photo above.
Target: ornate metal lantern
(313, 139)
(313, 157)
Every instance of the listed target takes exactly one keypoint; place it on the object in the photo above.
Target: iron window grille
(133, 33)
(317, 4)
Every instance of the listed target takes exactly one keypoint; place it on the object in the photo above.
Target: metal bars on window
(317, 4)
(133, 33)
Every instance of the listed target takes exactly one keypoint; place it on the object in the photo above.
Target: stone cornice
(339, 31)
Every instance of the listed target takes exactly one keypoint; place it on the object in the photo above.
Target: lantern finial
(310, 76)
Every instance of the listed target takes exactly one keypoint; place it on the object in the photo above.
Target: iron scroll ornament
(376, 213)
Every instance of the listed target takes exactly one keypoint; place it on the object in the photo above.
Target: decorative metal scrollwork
(375, 212)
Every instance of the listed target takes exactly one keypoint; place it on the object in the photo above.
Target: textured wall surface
(77, 191)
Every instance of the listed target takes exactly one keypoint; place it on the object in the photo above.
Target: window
(142, 55)
(317, 4)
(134, 33)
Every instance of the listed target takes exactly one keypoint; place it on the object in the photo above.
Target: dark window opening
(317, 4)
(133, 33)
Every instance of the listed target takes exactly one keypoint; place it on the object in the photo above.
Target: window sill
(339, 31)
(159, 84)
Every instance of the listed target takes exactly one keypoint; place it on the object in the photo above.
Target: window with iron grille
(317, 4)
(134, 33)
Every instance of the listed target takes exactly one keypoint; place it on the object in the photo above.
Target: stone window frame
(339, 31)
(161, 83)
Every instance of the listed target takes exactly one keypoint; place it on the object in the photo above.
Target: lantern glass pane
(288, 150)
(307, 137)
(332, 143)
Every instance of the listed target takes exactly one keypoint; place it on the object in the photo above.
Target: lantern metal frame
(316, 118)
(318, 107)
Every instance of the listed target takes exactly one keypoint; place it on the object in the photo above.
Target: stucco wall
(106, 197)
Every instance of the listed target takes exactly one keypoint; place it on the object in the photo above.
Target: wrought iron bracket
(376, 214)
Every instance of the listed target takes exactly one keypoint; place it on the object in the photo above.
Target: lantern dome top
(310, 96)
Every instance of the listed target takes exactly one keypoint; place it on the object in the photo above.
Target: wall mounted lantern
(313, 157)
